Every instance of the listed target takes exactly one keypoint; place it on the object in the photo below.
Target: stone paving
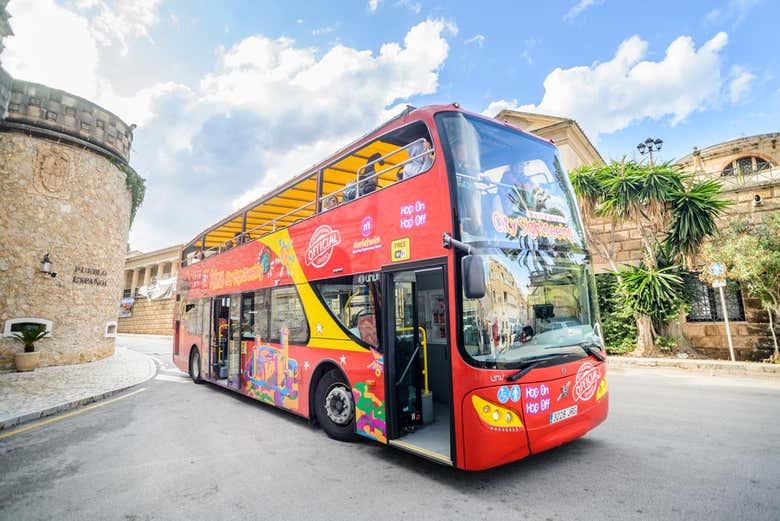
(49, 390)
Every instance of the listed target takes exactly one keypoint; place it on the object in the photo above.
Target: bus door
(418, 383)
(234, 343)
(218, 347)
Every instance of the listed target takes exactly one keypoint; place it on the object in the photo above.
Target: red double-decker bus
(428, 287)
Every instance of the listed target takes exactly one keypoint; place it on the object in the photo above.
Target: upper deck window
(397, 155)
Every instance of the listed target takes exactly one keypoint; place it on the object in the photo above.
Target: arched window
(746, 165)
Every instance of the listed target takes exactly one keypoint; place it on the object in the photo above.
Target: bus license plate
(563, 414)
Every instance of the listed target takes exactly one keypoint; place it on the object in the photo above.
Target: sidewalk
(49, 390)
(711, 367)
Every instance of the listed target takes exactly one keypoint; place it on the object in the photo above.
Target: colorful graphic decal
(369, 413)
(497, 418)
(286, 259)
(537, 398)
(587, 379)
(400, 250)
(271, 376)
(321, 245)
(378, 364)
(523, 227)
(602, 389)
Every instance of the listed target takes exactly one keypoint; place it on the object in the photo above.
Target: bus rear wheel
(335, 407)
(195, 366)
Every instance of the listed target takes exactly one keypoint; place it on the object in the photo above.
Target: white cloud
(578, 8)
(478, 39)
(528, 46)
(415, 7)
(741, 81)
(373, 5)
(122, 20)
(732, 13)
(73, 63)
(317, 31)
(609, 96)
(33, 58)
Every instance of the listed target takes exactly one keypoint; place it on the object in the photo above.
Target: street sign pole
(718, 270)
(726, 320)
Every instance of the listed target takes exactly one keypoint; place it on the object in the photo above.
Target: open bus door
(418, 381)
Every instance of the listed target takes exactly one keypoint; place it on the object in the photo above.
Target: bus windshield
(515, 206)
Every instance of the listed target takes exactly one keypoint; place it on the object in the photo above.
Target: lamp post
(649, 146)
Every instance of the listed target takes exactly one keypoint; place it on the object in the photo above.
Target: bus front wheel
(335, 407)
(195, 366)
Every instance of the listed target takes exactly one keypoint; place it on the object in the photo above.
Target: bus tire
(195, 366)
(335, 406)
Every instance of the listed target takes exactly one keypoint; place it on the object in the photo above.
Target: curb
(711, 367)
(15, 421)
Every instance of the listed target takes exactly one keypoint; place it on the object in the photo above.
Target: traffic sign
(716, 269)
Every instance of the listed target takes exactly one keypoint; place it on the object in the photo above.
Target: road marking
(171, 378)
(68, 415)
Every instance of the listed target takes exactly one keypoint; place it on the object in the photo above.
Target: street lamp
(649, 146)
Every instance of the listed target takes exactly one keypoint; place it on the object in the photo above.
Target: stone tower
(64, 195)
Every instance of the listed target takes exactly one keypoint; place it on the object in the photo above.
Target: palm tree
(29, 335)
(693, 211)
(663, 204)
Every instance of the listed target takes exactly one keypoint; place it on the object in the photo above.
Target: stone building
(65, 199)
(147, 298)
(749, 172)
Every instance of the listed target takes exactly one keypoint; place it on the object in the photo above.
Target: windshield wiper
(588, 348)
(525, 367)
(522, 372)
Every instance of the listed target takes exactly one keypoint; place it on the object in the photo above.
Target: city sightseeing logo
(321, 245)
(587, 380)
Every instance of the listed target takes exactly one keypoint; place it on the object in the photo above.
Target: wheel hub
(338, 405)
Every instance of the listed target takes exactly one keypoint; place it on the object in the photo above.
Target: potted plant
(29, 334)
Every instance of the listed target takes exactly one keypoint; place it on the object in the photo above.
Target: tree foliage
(616, 319)
(751, 252)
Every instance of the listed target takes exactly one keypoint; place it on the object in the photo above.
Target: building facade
(148, 295)
(748, 170)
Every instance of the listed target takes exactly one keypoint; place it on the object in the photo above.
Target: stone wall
(150, 317)
(72, 203)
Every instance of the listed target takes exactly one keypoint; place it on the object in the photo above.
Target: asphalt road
(674, 447)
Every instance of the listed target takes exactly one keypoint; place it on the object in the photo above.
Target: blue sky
(233, 98)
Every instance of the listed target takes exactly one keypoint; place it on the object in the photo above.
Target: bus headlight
(496, 417)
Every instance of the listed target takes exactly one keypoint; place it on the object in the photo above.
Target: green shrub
(616, 319)
(666, 344)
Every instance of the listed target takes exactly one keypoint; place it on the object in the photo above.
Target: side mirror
(473, 272)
